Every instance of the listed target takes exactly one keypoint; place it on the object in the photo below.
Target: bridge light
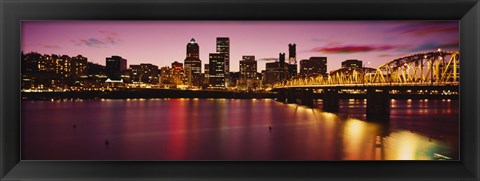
(439, 49)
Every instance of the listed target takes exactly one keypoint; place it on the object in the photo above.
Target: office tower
(273, 73)
(248, 67)
(144, 73)
(166, 76)
(206, 74)
(248, 72)
(178, 73)
(234, 78)
(292, 53)
(314, 65)
(193, 65)
(291, 71)
(115, 66)
(78, 66)
(223, 46)
(38, 71)
(352, 63)
(216, 70)
(95, 69)
(193, 49)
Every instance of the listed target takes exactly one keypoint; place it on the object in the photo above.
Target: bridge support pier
(330, 100)
(291, 96)
(378, 104)
(306, 97)
(282, 95)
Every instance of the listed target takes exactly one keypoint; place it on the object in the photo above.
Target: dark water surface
(233, 129)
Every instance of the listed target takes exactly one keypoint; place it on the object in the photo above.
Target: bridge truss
(431, 68)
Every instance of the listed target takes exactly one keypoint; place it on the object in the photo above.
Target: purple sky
(162, 42)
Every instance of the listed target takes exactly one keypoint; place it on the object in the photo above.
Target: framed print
(239, 90)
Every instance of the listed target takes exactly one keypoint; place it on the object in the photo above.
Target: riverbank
(202, 94)
(146, 94)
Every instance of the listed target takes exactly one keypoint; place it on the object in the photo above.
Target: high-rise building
(38, 71)
(248, 72)
(193, 49)
(178, 73)
(206, 74)
(78, 66)
(282, 66)
(291, 71)
(115, 66)
(95, 69)
(352, 63)
(234, 78)
(292, 53)
(144, 73)
(223, 46)
(273, 73)
(248, 67)
(193, 64)
(166, 76)
(216, 70)
(314, 65)
(51, 71)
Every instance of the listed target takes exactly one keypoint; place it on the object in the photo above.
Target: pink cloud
(353, 48)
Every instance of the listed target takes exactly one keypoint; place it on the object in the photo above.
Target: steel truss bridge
(430, 69)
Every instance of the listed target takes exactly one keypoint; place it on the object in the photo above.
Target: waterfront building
(314, 65)
(206, 74)
(223, 46)
(166, 76)
(193, 64)
(78, 66)
(248, 73)
(52, 72)
(216, 71)
(38, 71)
(291, 71)
(95, 69)
(292, 53)
(352, 63)
(178, 73)
(144, 73)
(115, 67)
(234, 78)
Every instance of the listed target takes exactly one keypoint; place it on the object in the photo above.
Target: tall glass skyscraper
(223, 46)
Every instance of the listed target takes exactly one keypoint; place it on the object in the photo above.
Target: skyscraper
(292, 53)
(206, 74)
(223, 46)
(248, 67)
(248, 72)
(193, 49)
(115, 66)
(193, 65)
(216, 70)
(282, 67)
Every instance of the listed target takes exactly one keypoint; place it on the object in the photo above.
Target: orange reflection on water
(358, 137)
(404, 145)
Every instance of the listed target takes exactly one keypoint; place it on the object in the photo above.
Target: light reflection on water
(230, 129)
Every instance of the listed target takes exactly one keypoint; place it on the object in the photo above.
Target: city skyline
(163, 42)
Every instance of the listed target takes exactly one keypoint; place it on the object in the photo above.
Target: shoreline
(200, 94)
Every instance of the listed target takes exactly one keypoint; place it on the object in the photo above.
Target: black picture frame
(12, 12)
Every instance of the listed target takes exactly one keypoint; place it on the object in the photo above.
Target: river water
(235, 129)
